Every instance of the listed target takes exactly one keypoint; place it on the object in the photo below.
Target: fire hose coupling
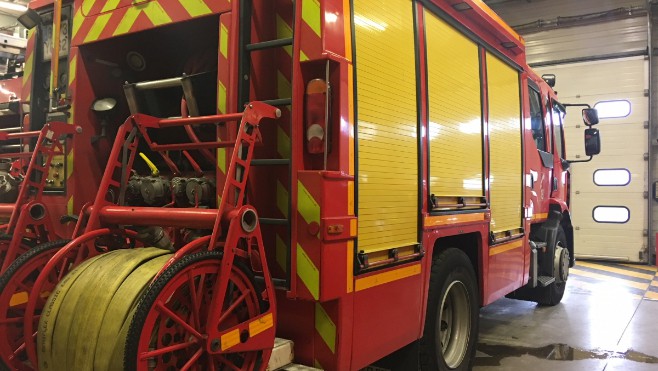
(247, 217)
(37, 211)
(156, 237)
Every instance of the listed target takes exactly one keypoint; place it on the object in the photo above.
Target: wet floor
(608, 320)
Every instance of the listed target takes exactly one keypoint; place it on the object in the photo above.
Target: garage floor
(608, 320)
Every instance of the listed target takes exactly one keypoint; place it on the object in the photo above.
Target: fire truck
(342, 177)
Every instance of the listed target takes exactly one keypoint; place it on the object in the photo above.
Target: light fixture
(13, 6)
(29, 19)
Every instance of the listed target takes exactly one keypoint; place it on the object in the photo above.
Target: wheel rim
(562, 261)
(165, 344)
(453, 324)
(12, 314)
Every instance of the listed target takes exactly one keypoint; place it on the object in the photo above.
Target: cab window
(558, 130)
(537, 122)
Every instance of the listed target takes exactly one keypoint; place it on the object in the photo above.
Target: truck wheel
(451, 324)
(552, 294)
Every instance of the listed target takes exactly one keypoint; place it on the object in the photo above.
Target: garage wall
(571, 32)
(561, 35)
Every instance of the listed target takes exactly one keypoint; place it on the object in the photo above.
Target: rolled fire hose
(84, 325)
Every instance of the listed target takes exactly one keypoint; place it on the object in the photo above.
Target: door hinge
(646, 156)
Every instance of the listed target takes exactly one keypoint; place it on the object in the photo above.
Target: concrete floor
(608, 320)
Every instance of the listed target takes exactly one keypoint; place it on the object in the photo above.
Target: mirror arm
(578, 161)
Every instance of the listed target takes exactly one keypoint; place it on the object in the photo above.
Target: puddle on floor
(555, 352)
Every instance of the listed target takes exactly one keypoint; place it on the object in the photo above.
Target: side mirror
(590, 116)
(550, 79)
(592, 142)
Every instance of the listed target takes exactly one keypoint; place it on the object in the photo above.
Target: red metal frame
(230, 212)
(29, 217)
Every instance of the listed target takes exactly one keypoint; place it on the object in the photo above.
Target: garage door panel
(624, 142)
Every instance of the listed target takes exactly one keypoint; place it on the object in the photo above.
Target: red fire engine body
(413, 171)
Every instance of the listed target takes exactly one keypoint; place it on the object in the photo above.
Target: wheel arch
(567, 226)
(472, 244)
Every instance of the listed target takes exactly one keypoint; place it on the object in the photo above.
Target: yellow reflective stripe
(110, 5)
(302, 56)
(281, 253)
(87, 5)
(156, 13)
(221, 98)
(325, 327)
(505, 247)
(230, 339)
(78, 18)
(283, 86)
(387, 277)
(283, 31)
(261, 324)
(18, 298)
(223, 41)
(29, 66)
(195, 7)
(282, 143)
(282, 198)
(318, 365)
(73, 68)
(221, 160)
(311, 15)
(69, 163)
(69, 206)
(308, 207)
(127, 21)
(308, 273)
(97, 27)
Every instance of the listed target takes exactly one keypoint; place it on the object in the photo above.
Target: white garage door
(609, 210)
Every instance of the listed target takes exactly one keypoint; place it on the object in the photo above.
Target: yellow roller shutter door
(455, 108)
(387, 147)
(505, 145)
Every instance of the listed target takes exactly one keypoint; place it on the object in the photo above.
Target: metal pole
(54, 60)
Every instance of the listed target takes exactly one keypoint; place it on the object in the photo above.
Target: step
(282, 356)
(295, 367)
(544, 281)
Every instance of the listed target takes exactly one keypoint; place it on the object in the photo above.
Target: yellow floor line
(610, 269)
(638, 266)
(654, 283)
(651, 295)
(603, 277)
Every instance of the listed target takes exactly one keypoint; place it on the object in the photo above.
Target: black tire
(44, 248)
(452, 280)
(8, 237)
(552, 294)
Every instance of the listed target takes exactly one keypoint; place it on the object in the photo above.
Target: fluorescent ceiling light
(13, 6)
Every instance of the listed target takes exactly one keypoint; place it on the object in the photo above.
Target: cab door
(560, 176)
(540, 170)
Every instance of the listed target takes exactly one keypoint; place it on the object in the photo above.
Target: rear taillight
(316, 115)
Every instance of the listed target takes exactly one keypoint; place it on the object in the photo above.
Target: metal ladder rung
(273, 221)
(270, 162)
(270, 44)
(279, 102)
